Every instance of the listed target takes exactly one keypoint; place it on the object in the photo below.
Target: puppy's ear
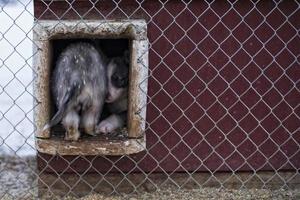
(126, 56)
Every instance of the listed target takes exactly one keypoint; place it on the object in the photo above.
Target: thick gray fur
(79, 88)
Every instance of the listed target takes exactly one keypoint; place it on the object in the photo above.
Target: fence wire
(222, 101)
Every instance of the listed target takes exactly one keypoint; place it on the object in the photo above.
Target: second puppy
(117, 94)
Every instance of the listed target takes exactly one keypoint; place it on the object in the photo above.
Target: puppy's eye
(115, 77)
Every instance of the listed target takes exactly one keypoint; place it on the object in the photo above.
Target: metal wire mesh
(223, 99)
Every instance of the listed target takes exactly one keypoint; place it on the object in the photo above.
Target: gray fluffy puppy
(79, 89)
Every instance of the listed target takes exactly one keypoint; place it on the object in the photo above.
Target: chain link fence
(222, 100)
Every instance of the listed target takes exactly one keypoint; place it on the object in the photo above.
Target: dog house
(223, 79)
(50, 37)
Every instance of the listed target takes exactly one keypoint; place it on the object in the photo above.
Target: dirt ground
(17, 177)
(207, 193)
(18, 180)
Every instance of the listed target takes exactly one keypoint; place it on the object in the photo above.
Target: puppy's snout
(109, 98)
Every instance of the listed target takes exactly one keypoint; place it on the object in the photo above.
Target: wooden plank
(97, 145)
(138, 85)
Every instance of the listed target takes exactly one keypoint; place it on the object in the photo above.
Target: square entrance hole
(113, 37)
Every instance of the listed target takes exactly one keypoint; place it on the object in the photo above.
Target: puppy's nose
(108, 98)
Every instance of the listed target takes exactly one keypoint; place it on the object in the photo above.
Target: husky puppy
(79, 89)
(117, 94)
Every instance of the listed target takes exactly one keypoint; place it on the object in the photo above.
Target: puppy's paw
(89, 131)
(105, 127)
(72, 134)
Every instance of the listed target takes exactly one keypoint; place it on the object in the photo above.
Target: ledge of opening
(97, 145)
(53, 29)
